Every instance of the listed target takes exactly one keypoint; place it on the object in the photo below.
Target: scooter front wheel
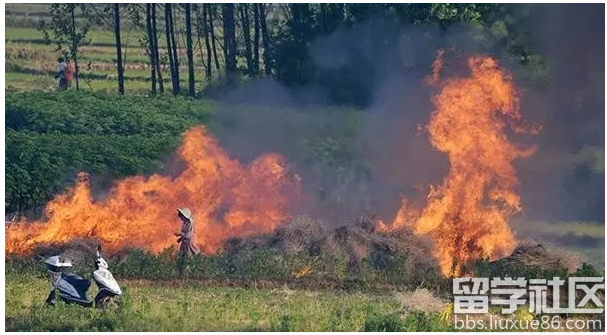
(104, 299)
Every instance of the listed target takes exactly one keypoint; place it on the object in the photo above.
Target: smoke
(392, 61)
(565, 179)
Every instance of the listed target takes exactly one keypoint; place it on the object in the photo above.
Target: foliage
(414, 321)
(73, 112)
(507, 268)
(295, 28)
(52, 136)
(492, 26)
(384, 323)
(64, 31)
(68, 128)
(503, 268)
(588, 270)
(41, 165)
(264, 265)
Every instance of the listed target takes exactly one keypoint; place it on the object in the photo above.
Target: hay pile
(533, 255)
(356, 241)
(80, 251)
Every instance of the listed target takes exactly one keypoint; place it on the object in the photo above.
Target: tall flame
(226, 198)
(467, 215)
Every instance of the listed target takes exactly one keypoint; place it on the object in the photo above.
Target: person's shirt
(187, 230)
(69, 72)
(61, 69)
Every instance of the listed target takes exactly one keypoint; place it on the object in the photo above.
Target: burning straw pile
(355, 244)
(532, 256)
(308, 248)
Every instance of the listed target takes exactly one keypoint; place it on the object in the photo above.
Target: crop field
(31, 62)
(287, 198)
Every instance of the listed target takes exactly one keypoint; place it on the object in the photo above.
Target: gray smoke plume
(562, 181)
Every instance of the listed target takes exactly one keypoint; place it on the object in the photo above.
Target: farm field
(31, 62)
(193, 308)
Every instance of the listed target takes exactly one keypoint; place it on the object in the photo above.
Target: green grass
(26, 82)
(195, 308)
(96, 36)
(92, 52)
(26, 7)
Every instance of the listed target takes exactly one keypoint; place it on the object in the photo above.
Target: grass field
(189, 307)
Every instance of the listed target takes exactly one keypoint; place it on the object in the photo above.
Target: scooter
(72, 288)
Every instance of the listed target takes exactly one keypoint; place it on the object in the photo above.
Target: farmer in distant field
(69, 73)
(61, 69)
(187, 248)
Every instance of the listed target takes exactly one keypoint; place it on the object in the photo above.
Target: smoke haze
(556, 183)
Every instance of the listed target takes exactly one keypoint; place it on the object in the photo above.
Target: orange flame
(467, 215)
(226, 198)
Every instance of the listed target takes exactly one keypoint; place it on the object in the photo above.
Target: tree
(118, 49)
(188, 36)
(170, 45)
(211, 12)
(202, 22)
(267, 59)
(64, 31)
(256, 31)
(150, 38)
(156, 52)
(229, 42)
(292, 61)
(331, 16)
(245, 22)
(176, 82)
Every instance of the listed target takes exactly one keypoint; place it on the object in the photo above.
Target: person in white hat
(186, 235)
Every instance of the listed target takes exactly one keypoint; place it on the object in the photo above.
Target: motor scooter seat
(79, 283)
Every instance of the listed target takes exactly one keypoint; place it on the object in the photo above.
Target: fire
(467, 215)
(227, 200)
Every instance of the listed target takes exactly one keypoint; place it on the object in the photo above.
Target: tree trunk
(118, 49)
(267, 62)
(324, 17)
(207, 44)
(199, 33)
(229, 42)
(212, 31)
(300, 22)
(75, 47)
(256, 39)
(244, 18)
(167, 30)
(148, 25)
(188, 38)
(156, 51)
(176, 83)
(226, 51)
